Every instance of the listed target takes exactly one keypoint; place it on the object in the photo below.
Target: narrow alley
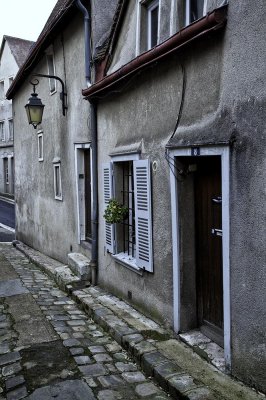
(49, 348)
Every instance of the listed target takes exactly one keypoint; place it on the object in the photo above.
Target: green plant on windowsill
(115, 212)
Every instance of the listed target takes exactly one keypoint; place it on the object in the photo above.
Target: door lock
(217, 232)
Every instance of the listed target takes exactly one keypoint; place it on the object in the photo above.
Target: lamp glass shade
(34, 110)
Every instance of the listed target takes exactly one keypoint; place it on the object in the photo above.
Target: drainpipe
(93, 115)
(87, 37)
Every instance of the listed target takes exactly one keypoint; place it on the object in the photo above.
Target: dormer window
(153, 23)
(195, 9)
(148, 25)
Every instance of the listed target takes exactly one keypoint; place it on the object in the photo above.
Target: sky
(24, 18)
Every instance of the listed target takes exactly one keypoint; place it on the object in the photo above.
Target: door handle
(217, 232)
(217, 200)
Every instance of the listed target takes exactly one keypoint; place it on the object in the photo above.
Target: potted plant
(115, 212)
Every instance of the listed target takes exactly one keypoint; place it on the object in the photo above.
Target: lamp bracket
(63, 94)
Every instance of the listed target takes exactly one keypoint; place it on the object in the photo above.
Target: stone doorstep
(80, 265)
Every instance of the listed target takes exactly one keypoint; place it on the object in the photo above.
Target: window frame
(143, 42)
(51, 70)
(11, 132)
(57, 189)
(136, 263)
(2, 92)
(2, 131)
(150, 7)
(40, 148)
(10, 81)
(188, 10)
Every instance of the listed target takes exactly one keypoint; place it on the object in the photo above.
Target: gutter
(93, 116)
(212, 21)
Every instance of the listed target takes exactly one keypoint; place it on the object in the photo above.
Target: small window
(40, 146)
(2, 90)
(153, 23)
(6, 171)
(2, 131)
(57, 182)
(11, 79)
(195, 9)
(51, 71)
(148, 25)
(11, 129)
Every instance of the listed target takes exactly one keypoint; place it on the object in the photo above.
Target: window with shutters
(130, 241)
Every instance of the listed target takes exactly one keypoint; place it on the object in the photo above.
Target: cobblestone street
(50, 348)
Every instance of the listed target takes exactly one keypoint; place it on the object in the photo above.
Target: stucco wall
(43, 222)
(8, 69)
(146, 113)
(224, 102)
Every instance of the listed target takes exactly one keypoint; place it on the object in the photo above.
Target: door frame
(80, 194)
(201, 151)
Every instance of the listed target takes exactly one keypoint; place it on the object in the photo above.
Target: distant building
(13, 53)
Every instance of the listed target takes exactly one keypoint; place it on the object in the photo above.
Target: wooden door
(87, 182)
(208, 215)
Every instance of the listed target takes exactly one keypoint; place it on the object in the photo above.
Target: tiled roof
(103, 50)
(19, 48)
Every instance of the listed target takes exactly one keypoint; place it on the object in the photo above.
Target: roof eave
(42, 42)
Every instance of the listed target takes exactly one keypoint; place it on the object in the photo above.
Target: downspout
(93, 115)
(87, 37)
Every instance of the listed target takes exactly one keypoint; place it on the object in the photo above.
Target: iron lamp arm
(63, 94)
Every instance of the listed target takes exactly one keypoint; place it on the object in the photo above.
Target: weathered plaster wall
(224, 102)
(244, 94)
(239, 118)
(43, 222)
(8, 69)
(138, 114)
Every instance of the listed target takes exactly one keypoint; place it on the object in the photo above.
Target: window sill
(128, 262)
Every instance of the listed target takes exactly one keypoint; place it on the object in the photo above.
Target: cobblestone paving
(77, 355)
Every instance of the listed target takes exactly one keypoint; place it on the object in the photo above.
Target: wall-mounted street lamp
(34, 107)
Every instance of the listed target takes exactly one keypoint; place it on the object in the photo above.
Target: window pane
(51, 71)
(154, 14)
(2, 131)
(196, 9)
(11, 129)
(57, 182)
(40, 147)
(2, 90)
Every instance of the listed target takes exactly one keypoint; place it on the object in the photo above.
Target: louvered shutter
(143, 214)
(107, 195)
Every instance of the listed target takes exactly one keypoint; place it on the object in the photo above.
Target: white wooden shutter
(143, 214)
(107, 195)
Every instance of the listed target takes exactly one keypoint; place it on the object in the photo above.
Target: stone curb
(139, 343)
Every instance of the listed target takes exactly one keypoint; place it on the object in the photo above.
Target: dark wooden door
(208, 212)
(87, 176)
